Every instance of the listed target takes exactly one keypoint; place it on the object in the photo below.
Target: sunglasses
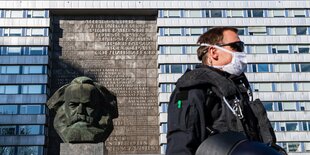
(237, 46)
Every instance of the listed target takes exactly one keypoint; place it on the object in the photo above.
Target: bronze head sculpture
(84, 111)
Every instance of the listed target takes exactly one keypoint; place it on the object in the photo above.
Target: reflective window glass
(29, 129)
(282, 68)
(12, 70)
(30, 109)
(292, 126)
(32, 89)
(289, 106)
(278, 13)
(37, 31)
(174, 13)
(36, 50)
(176, 49)
(268, 106)
(195, 13)
(299, 13)
(294, 147)
(14, 50)
(216, 13)
(305, 67)
(176, 68)
(285, 87)
(15, 32)
(175, 31)
(7, 130)
(258, 13)
(303, 49)
(17, 14)
(33, 69)
(262, 68)
(8, 109)
(38, 13)
(11, 89)
(7, 150)
(29, 150)
(195, 31)
(301, 30)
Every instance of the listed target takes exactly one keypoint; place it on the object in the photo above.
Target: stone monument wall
(119, 52)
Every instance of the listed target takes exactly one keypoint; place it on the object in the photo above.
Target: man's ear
(213, 53)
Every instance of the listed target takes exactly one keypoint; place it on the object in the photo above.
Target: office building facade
(276, 34)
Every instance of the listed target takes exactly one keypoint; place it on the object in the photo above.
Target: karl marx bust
(84, 111)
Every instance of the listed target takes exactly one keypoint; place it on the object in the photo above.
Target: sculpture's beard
(82, 131)
(81, 118)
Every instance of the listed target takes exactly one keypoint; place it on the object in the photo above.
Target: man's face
(82, 106)
(219, 57)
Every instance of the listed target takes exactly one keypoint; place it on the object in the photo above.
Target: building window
(268, 106)
(8, 109)
(301, 30)
(257, 30)
(191, 49)
(34, 70)
(235, 13)
(303, 49)
(305, 67)
(13, 13)
(280, 49)
(30, 150)
(292, 126)
(29, 130)
(304, 106)
(298, 13)
(282, 68)
(164, 127)
(172, 13)
(279, 31)
(36, 14)
(285, 87)
(9, 89)
(167, 87)
(9, 69)
(8, 130)
(216, 13)
(173, 31)
(163, 107)
(33, 89)
(7, 150)
(277, 13)
(303, 86)
(194, 31)
(193, 13)
(15, 32)
(262, 87)
(289, 106)
(256, 13)
(31, 109)
(241, 31)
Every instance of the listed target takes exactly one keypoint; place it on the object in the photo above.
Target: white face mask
(238, 63)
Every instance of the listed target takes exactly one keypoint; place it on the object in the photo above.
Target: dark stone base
(83, 149)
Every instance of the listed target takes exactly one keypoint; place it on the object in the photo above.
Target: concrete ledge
(83, 149)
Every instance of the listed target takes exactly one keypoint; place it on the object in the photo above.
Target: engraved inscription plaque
(120, 53)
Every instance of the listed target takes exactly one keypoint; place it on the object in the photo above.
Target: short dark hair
(212, 36)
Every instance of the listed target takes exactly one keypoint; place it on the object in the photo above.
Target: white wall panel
(24, 22)
(44, 41)
(282, 96)
(289, 115)
(292, 136)
(199, 4)
(183, 40)
(211, 22)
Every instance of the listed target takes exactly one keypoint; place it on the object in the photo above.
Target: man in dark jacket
(214, 97)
